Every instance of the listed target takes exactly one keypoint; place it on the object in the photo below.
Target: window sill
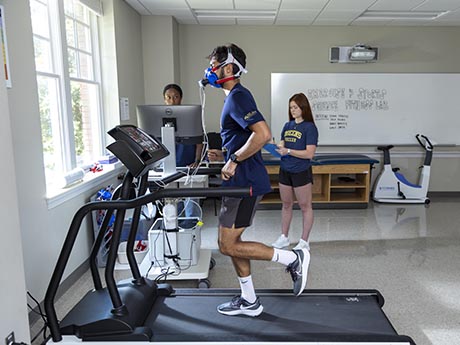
(56, 197)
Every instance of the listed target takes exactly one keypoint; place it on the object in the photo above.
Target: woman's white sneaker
(302, 245)
(281, 242)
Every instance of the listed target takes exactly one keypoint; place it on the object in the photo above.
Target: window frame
(60, 72)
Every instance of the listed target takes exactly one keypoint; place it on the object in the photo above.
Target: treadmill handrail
(117, 205)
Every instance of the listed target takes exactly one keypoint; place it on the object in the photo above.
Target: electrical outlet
(9, 340)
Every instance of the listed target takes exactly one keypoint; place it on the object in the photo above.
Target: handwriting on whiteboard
(335, 106)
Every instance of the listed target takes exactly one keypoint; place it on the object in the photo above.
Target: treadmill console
(137, 150)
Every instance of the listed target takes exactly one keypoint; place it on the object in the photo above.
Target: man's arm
(261, 135)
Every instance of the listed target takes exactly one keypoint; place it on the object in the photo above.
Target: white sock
(284, 257)
(247, 289)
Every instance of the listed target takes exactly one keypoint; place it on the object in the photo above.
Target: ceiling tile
(138, 7)
(451, 15)
(297, 15)
(163, 11)
(339, 15)
(303, 5)
(164, 4)
(212, 5)
(395, 5)
(257, 4)
(349, 5)
(439, 5)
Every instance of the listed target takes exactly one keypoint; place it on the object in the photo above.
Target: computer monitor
(186, 119)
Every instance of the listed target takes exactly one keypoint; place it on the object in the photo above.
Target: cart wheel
(204, 284)
(427, 201)
(212, 263)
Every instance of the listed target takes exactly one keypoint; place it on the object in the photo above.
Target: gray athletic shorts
(238, 212)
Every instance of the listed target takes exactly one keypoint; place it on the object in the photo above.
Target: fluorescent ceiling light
(242, 14)
(391, 15)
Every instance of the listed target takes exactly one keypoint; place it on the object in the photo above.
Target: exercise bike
(392, 187)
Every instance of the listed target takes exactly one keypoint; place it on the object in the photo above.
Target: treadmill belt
(285, 317)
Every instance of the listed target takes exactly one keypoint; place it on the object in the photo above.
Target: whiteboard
(373, 108)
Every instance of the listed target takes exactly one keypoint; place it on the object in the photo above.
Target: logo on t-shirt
(249, 115)
(292, 136)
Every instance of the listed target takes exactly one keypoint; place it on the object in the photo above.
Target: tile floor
(410, 253)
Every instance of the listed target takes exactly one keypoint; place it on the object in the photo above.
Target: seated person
(186, 155)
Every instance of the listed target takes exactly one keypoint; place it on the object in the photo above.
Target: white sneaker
(302, 245)
(281, 242)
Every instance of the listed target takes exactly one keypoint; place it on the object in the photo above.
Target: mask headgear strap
(230, 59)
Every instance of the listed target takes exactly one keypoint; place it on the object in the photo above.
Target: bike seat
(383, 148)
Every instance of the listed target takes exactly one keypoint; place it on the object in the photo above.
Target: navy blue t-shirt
(185, 154)
(238, 113)
(297, 137)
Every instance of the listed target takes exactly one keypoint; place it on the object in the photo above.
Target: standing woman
(299, 139)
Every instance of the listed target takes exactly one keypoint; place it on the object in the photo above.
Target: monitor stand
(169, 140)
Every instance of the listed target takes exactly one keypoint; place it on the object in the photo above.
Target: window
(69, 87)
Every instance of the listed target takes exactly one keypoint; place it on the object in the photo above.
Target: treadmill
(141, 310)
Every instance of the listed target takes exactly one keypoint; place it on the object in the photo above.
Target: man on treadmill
(244, 132)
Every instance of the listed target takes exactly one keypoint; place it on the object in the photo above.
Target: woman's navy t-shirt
(297, 136)
(185, 154)
(238, 113)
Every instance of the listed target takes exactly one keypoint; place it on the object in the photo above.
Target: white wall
(129, 56)
(12, 279)
(159, 46)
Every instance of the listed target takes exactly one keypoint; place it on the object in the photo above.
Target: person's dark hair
(220, 53)
(173, 86)
(302, 102)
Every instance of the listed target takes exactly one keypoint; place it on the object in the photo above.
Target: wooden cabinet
(334, 186)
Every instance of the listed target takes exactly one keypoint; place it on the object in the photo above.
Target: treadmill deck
(191, 315)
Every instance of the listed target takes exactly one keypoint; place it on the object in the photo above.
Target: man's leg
(230, 244)
(247, 303)
(241, 212)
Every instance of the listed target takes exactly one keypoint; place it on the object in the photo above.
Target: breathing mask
(210, 76)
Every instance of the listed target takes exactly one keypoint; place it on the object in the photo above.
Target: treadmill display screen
(137, 150)
(145, 141)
